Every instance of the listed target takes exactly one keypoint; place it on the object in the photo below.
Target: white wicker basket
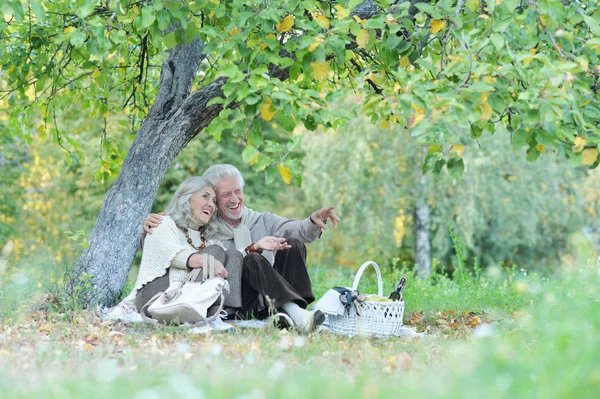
(379, 319)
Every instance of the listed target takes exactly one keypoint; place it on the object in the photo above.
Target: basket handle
(360, 272)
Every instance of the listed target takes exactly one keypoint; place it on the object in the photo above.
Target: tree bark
(422, 247)
(176, 118)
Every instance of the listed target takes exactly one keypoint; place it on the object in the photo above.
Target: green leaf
(249, 153)
(191, 32)
(77, 38)
(520, 137)
(38, 9)
(287, 122)
(532, 154)
(476, 131)
(164, 19)
(252, 99)
(295, 71)
(229, 70)
(428, 8)
(292, 144)
(171, 40)
(497, 41)
(148, 18)
(309, 123)
(84, 10)
(455, 167)
(593, 24)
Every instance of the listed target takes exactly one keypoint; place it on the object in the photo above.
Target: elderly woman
(176, 247)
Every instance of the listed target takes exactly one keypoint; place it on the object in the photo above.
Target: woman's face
(203, 203)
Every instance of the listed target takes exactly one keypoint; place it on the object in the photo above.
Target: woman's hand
(270, 243)
(196, 261)
(220, 270)
(152, 221)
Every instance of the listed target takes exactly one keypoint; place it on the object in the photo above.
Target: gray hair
(179, 208)
(217, 172)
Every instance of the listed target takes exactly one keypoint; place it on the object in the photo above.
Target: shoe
(120, 312)
(218, 325)
(315, 319)
(282, 321)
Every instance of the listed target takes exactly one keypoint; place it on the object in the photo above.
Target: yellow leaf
(579, 144)
(341, 12)
(320, 70)
(12, 68)
(433, 149)
(315, 44)
(540, 147)
(253, 160)
(322, 21)
(405, 62)
(263, 46)
(396, 87)
(69, 29)
(285, 173)
(484, 16)
(385, 124)
(106, 114)
(486, 111)
(96, 73)
(459, 149)
(265, 110)
(589, 156)
(234, 31)
(437, 25)
(271, 36)
(530, 58)
(417, 116)
(359, 20)
(362, 39)
(286, 24)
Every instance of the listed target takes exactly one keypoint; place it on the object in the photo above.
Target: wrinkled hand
(270, 243)
(220, 270)
(320, 217)
(196, 262)
(152, 221)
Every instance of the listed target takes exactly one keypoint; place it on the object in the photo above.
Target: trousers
(265, 288)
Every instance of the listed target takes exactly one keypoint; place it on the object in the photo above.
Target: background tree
(503, 208)
(233, 67)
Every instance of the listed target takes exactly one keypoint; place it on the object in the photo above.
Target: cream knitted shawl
(160, 247)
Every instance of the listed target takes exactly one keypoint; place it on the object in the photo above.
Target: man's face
(230, 199)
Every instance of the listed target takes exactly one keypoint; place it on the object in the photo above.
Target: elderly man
(274, 265)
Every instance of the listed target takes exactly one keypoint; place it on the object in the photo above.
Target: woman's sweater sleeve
(180, 260)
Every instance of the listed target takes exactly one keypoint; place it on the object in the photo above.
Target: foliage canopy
(428, 66)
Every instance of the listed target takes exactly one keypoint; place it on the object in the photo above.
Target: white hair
(179, 208)
(218, 172)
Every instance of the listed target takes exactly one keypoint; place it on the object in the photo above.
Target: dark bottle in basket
(397, 294)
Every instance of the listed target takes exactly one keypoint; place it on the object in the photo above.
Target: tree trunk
(422, 247)
(175, 118)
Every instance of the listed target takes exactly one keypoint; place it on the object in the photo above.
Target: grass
(543, 340)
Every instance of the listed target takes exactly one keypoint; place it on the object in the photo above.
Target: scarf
(240, 235)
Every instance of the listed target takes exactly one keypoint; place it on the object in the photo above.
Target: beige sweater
(167, 246)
